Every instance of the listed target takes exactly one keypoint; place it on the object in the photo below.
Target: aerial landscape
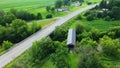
(59, 33)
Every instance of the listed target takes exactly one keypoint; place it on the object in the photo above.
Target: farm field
(37, 6)
(43, 11)
(24, 4)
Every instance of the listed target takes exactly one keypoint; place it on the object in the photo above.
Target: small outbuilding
(62, 9)
(77, 3)
(71, 39)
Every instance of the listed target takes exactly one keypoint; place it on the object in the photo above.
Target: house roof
(71, 39)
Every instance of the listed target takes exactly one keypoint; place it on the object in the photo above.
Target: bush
(53, 9)
(90, 17)
(20, 30)
(61, 57)
(39, 16)
(115, 13)
(59, 34)
(81, 36)
(99, 15)
(79, 17)
(41, 49)
(89, 58)
(116, 31)
(109, 46)
(87, 13)
(49, 16)
(107, 18)
(7, 18)
(94, 34)
(86, 42)
(34, 27)
(48, 8)
(7, 44)
(79, 28)
(89, 3)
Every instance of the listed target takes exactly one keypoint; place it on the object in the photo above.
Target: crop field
(24, 4)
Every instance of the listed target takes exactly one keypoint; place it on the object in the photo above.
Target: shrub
(7, 18)
(90, 17)
(61, 57)
(7, 44)
(89, 58)
(41, 49)
(99, 15)
(79, 28)
(87, 13)
(20, 30)
(81, 36)
(53, 9)
(116, 31)
(94, 34)
(79, 17)
(89, 3)
(107, 18)
(34, 27)
(109, 46)
(49, 16)
(59, 34)
(39, 16)
(115, 13)
(48, 8)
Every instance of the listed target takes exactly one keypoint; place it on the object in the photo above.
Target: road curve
(22, 46)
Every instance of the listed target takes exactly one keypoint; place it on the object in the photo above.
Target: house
(77, 3)
(105, 9)
(59, 9)
(100, 11)
(62, 9)
(71, 39)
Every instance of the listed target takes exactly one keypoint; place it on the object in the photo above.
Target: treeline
(8, 17)
(60, 3)
(107, 10)
(17, 31)
(113, 7)
(44, 50)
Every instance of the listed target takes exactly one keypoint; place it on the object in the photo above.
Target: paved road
(27, 43)
(56, 18)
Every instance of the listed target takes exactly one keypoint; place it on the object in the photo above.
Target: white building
(76, 4)
(71, 39)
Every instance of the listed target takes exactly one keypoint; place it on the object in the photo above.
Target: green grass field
(28, 4)
(46, 22)
(98, 24)
(93, 0)
(24, 4)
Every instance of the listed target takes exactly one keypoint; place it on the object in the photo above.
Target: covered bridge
(71, 39)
